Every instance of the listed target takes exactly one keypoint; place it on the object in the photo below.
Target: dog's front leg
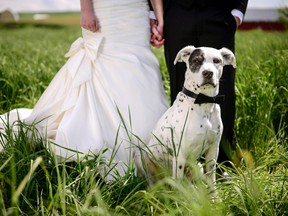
(211, 159)
(178, 166)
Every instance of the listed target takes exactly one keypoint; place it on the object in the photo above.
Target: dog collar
(201, 98)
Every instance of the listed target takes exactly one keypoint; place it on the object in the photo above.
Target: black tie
(201, 98)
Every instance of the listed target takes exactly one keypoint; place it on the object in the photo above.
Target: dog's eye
(216, 61)
(196, 60)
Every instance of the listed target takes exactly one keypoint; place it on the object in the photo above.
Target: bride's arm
(88, 18)
(158, 10)
(156, 26)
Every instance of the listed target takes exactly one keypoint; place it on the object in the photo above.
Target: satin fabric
(109, 94)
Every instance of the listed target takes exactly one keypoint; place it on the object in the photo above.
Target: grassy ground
(33, 183)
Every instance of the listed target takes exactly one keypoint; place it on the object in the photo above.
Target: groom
(203, 23)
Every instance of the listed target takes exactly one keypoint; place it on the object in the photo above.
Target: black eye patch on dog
(196, 59)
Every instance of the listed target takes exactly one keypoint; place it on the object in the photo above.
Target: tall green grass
(33, 182)
(29, 58)
(262, 90)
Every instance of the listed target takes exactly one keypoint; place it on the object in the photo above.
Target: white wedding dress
(108, 93)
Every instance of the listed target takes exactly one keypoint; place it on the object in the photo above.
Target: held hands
(156, 30)
(156, 26)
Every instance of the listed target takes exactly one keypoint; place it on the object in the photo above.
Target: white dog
(192, 126)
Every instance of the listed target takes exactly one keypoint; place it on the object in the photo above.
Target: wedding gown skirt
(109, 93)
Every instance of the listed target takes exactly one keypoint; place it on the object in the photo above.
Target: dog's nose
(207, 74)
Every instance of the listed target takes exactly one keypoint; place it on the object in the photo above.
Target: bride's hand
(157, 39)
(90, 22)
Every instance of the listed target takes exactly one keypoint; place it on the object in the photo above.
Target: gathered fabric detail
(82, 55)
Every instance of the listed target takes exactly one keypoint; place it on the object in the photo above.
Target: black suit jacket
(240, 5)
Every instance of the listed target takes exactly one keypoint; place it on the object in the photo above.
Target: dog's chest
(187, 125)
(201, 121)
(197, 126)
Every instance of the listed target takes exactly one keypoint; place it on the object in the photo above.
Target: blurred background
(264, 14)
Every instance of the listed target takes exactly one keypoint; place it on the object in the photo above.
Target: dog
(192, 126)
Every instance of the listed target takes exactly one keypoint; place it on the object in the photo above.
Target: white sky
(74, 5)
(40, 5)
(267, 3)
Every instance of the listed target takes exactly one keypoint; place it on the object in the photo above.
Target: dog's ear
(184, 54)
(228, 57)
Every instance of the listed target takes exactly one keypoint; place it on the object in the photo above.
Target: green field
(32, 183)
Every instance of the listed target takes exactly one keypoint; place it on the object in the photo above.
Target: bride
(109, 94)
